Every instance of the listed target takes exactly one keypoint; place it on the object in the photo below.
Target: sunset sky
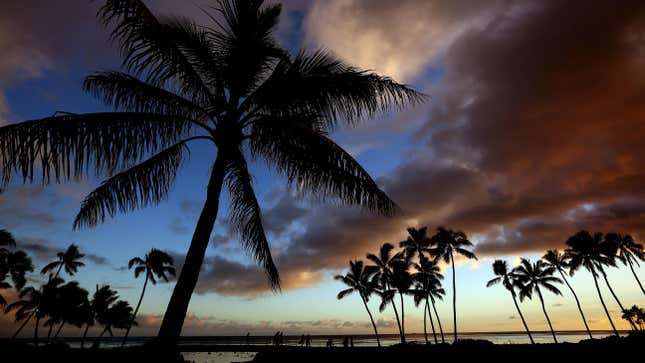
(533, 130)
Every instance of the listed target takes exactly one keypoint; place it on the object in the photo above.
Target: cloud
(42, 249)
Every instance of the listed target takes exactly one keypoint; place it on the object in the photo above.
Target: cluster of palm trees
(411, 271)
(595, 252)
(57, 303)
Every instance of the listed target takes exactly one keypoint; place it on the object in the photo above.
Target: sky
(532, 131)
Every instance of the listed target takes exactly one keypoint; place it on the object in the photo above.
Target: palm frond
(344, 293)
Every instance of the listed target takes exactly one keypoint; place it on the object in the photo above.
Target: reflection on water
(221, 357)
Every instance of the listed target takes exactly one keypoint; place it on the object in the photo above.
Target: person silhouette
(351, 342)
(276, 338)
(330, 343)
(308, 340)
(345, 342)
(302, 340)
(248, 338)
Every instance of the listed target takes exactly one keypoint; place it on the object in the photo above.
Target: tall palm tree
(97, 308)
(156, 264)
(508, 280)
(586, 251)
(229, 85)
(384, 261)
(117, 316)
(428, 286)
(609, 248)
(417, 242)
(445, 244)
(401, 282)
(531, 277)
(360, 278)
(72, 299)
(559, 261)
(629, 253)
(69, 259)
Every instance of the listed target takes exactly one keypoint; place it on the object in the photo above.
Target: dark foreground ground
(608, 349)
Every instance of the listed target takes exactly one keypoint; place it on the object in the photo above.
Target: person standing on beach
(308, 340)
(248, 338)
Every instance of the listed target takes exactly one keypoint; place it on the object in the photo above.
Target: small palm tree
(71, 299)
(117, 316)
(230, 85)
(530, 277)
(26, 307)
(360, 278)
(13, 264)
(417, 242)
(101, 301)
(6, 238)
(446, 244)
(634, 315)
(585, 250)
(558, 260)
(629, 253)
(156, 264)
(428, 286)
(69, 259)
(508, 280)
(384, 261)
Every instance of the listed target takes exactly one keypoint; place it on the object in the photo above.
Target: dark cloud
(43, 250)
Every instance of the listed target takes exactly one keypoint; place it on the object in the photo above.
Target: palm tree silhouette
(586, 250)
(98, 308)
(428, 286)
(530, 277)
(6, 238)
(360, 278)
(384, 262)
(445, 244)
(629, 253)
(26, 307)
(230, 85)
(634, 315)
(508, 280)
(156, 264)
(71, 300)
(416, 243)
(558, 260)
(609, 248)
(117, 316)
(13, 264)
(68, 260)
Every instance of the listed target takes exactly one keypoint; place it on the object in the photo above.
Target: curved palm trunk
(434, 307)
(454, 300)
(49, 332)
(36, 331)
(631, 267)
(402, 318)
(136, 310)
(434, 332)
(425, 331)
(59, 329)
(59, 268)
(547, 316)
(602, 301)
(604, 276)
(378, 341)
(173, 319)
(22, 326)
(396, 313)
(517, 306)
(584, 320)
(87, 327)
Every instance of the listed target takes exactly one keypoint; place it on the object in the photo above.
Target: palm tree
(72, 299)
(98, 308)
(117, 316)
(629, 253)
(6, 238)
(558, 260)
(428, 286)
(384, 262)
(417, 242)
(26, 307)
(229, 85)
(508, 280)
(68, 260)
(634, 314)
(360, 278)
(531, 277)
(14, 264)
(156, 264)
(586, 250)
(445, 244)
(609, 248)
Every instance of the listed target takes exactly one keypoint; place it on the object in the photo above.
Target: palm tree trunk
(602, 301)
(547, 316)
(402, 318)
(425, 314)
(631, 267)
(434, 332)
(454, 300)
(60, 267)
(434, 307)
(622, 309)
(396, 313)
(87, 327)
(178, 306)
(517, 306)
(36, 331)
(378, 341)
(49, 332)
(136, 310)
(584, 320)
(59, 329)
(22, 326)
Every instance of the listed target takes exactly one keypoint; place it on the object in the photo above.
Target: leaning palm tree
(530, 277)
(629, 253)
(508, 280)
(417, 242)
(69, 260)
(428, 286)
(445, 244)
(384, 261)
(360, 279)
(156, 264)
(97, 308)
(117, 316)
(26, 307)
(609, 248)
(559, 261)
(72, 299)
(586, 250)
(229, 85)
(14, 265)
(401, 283)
